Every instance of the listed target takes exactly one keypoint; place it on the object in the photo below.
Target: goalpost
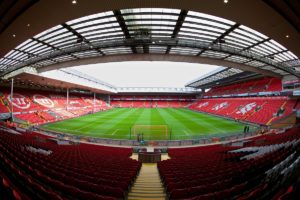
(150, 132)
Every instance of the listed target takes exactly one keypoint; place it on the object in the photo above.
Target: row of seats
(39, 107)
(254, 86)
(153, 97)
(8, 190)
(219, 172)
(41, 117)
(289, 193)
(150, 104)
(74, 171)
(261, 110)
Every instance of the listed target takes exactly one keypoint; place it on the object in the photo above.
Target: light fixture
(287, 36)
(74, 2)
(28, 25)
(14, 35)
(226, 1)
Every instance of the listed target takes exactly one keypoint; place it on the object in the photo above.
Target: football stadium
(149, 100)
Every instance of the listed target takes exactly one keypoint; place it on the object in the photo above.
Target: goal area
(150, 132)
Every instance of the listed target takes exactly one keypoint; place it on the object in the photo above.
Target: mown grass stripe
(126, 123)
(116, 123)
(77, 123)
(212, 121)
(177, 126)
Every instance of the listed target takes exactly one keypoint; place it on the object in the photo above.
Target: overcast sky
(146, 74)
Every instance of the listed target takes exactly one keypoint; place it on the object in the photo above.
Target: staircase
(281, 107)
(148, 185)
(4, 104)
(268, 84)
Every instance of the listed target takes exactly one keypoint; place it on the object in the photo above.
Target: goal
(150, 132)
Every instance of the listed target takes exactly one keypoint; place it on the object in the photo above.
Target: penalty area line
(186, 133)
(113, 133)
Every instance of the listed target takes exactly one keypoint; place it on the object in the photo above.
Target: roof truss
(151, 31)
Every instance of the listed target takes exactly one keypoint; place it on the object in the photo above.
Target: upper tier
(253, 86)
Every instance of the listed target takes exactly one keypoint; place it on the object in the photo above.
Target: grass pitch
(117, 123)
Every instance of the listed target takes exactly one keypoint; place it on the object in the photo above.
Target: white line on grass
(186, 133)
(113, 133)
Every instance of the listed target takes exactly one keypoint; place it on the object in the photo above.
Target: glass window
(99, 22)
(279, 46)
(237, 59)
(89, 17)
(36, 47)
(33, 45)
(214, 54)
(255, 64)
(40, 50)
(235, 41)
(24, 44)
(106, 39)
(50, 32)
(61, 44)
(253, 32)
(198, 31)
(267, 48)
(203, 26)
(70, 39)
(154, 10)
(260, 50)
(203, 15)
(293, 55)
(103, 35)
(211, 38)
(242, 37)
(207, 22)
(105, 30)
(194, 39)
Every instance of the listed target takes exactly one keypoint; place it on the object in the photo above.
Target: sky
(146, 73)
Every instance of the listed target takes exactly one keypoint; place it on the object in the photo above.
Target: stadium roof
(222, 77)
(163, 34)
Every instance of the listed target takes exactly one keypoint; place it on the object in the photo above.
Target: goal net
(150, 132)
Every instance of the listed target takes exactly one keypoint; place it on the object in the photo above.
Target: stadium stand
(36, 166)
(226, 172)
(260, 110)
(252, 42)
(38, 107)
(41, 168)
(292, 191)
(150, 104)
(151, 101)
(253, 86)
(153, 97)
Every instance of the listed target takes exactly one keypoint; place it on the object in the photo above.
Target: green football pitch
(165, 124)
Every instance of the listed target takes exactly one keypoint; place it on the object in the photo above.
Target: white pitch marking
(186, 133)
(115, 132)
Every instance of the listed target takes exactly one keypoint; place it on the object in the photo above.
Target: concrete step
(146, 198)
(147, 185)
(150, 189)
